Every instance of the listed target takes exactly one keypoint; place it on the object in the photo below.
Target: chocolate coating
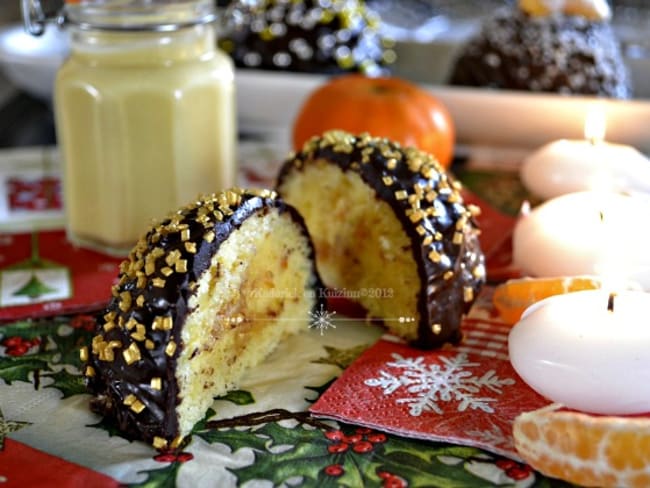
(305, 36)
(134, 353)
(559, 53)
(426, 201)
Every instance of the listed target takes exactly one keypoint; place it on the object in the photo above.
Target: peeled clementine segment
(587, 450)
(514, 296)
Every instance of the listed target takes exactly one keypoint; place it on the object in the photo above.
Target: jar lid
(135, 15)
(130, 15)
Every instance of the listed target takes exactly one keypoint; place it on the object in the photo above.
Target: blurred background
(428, 34)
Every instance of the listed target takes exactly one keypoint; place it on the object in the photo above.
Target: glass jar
(145, 115)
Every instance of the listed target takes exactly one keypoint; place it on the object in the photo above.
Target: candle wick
(593, 140)
(601, 214)
(610, 302)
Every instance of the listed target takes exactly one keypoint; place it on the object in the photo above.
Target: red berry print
(165, 457)
(12, 341)
(377, 438)
(338, 448)
(18, 350)
(363, 430)
(394, 482)
(352, 439)
(334, 470)
(384, 475)
(505, 464)
(362, 447)
(518, 472)
(170, 457)
(334, 435)
(85, 322)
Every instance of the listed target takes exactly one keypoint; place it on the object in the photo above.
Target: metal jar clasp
(34, 18)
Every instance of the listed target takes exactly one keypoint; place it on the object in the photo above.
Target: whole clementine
(384, 107)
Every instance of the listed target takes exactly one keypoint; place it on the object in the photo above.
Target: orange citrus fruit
(388, 107)
(584, 449)
(514, 296)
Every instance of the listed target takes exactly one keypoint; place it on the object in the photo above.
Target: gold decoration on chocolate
(131, 354)
(83, 354)
(171, 348)
(156, 383)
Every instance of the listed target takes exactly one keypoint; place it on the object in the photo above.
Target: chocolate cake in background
(311, 36)
(558, 52)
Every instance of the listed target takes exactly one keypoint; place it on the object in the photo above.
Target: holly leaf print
(19, 368)
(238, 397)
(159, 478)
(67, 383)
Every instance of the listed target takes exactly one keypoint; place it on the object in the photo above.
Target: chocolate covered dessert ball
(195, 308)
(389, 226)
(312, 36)
(569, 49)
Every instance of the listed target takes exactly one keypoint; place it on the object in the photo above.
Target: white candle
(568, 166)
(587, 233)
(572, 350)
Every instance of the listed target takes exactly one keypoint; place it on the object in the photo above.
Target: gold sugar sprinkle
(458, 238)
(420, 230)
(148, 344)
(416, 216)
(478, 272)
(131, 354)
(158, 282)
(190, 247)
(185, 235)
(131, 323)
(181, 266)
(108, 326)
(156, 383)
(109, 316)
(90, 371)
(209, 236)
(468, 294)
(142, 280)
(448, 275)
(137, 406)
(431, 196)
(401, 195)
(159, 443)
(162, 323)
(171, 348)
(436, 329)
(391, 163)
(176, 442)
(173, 257)
(387, 180)
(138, 335)
(125, 301)
(129, 400)
(435, 256)
(149, 267)
(83, 354)
(166, 271)
(427, 240)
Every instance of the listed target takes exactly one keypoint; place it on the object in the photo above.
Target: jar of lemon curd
(145, 115)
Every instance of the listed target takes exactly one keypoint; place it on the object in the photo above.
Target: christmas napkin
(467, 394)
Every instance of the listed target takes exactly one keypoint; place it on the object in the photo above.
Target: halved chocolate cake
(198, 302)
(390, 228)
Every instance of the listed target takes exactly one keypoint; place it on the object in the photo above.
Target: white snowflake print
(321, 319)
(429, 385)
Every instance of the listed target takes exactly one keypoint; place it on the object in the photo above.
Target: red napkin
(30, 467)
(467, 394)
